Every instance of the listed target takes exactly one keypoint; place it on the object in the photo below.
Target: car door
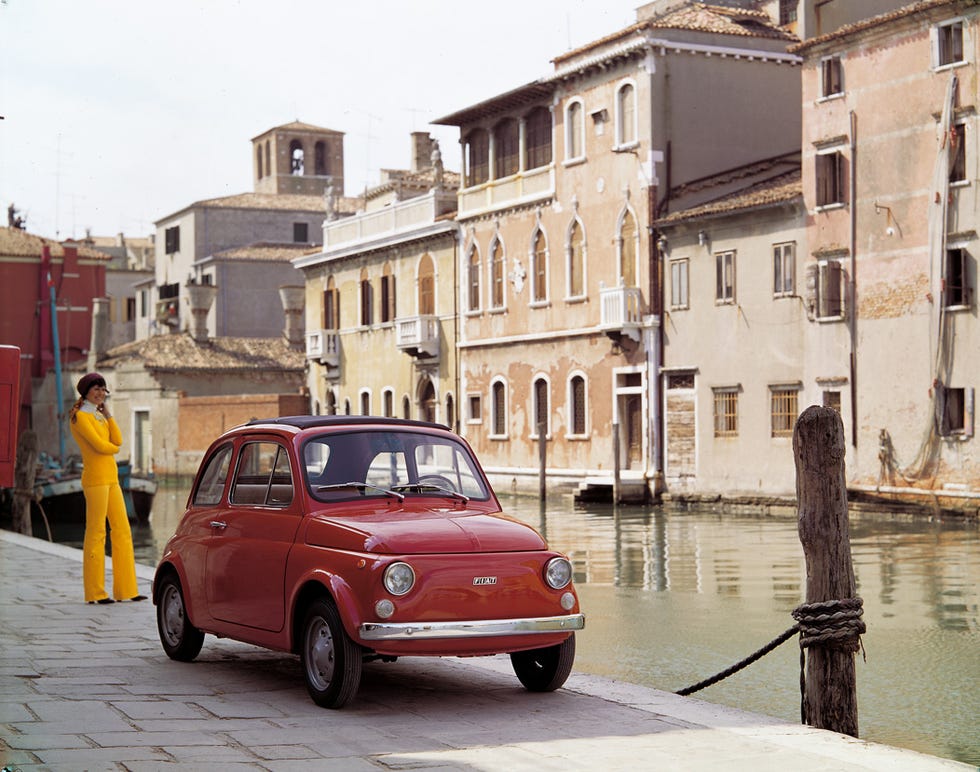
(246, 558)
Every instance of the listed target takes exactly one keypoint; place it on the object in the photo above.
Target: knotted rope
(831, 623)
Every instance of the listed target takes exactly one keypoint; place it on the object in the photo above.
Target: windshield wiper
(361, 486)
(429, 488)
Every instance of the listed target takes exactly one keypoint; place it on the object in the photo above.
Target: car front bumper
(405, 631)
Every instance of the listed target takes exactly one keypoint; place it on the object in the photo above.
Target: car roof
(316, 421)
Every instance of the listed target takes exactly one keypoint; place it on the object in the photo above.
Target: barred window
(499, 409)
(474, 280)
(784, 409)
(726, 412)
(537, 141)
(497, 275)
(540, 407)
(539, 257)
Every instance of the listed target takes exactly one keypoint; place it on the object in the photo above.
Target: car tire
(331, 660)
(544, 670)
(181, 640)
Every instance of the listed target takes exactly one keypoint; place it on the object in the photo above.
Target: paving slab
(89, 687)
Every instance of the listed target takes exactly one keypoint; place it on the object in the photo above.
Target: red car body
(301, 534)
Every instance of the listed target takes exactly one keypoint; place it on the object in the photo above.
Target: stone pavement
(89, 687)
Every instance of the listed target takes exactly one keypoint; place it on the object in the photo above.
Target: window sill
(829, 207)
(830, 319)
(576, 298)
(680, 308)
(474, 314)
(539, 304)
(501, 310)
(959, 183)
(830, 97)
(950, 66)
(498, 437)
(577, 437)
(573, 161)
(626, 147)
(957, 308)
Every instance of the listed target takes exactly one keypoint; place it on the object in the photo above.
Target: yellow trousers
(102, 503)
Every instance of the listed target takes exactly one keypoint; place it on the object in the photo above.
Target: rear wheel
(544, 670)
(181, 640)
(331, 660)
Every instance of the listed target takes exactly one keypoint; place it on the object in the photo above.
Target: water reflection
(674, 598)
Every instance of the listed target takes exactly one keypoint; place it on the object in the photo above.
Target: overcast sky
(120, 112)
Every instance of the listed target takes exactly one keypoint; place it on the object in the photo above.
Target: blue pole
(57, 371)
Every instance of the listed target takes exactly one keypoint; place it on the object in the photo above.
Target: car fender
(171, 563)
(338, 589)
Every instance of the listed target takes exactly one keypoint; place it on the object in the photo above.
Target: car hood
(425, 532)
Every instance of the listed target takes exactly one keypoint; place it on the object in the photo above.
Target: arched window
(268, 157)
(331, 306)
(626, 115)
(347, 406)
(427, 285)
(388, 400)
(367, 299)
(406, 407)
(387, 295)
(576, 260)
(365, 403)
(537, 138)
(320, 158)
(331, 403)
(498, 404)
(506, 148)
(296, 157)
(577, 405)
(627, 249)
(575, 130)
(541, 422)
(477, 157)
(473, 279)
(258, 159)
(539, 268)
(497, 275)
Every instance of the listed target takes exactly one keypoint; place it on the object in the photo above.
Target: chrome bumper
(406, 631)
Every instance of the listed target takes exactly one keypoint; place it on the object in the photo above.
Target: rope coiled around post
(832, 622)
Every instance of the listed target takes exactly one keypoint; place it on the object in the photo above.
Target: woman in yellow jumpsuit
(98, 436)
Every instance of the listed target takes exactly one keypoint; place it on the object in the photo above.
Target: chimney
(293, 297)
(421, 151)
(99, 342)
(200, 297)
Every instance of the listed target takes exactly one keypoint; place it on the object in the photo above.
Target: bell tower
(298, 158)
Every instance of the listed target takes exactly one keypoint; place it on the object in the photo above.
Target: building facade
(890, 183)
(381, 299)
(561, 286)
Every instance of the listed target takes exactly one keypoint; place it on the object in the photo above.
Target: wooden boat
(59, 493)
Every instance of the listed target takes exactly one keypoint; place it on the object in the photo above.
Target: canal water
(673, 598)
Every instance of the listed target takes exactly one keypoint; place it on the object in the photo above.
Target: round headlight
(384, 608)
(399, 578)
(558, 573)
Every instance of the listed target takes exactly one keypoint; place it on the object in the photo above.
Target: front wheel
(181, 640)
(544, 670)
(331, 660)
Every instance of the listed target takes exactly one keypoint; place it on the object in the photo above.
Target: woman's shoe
(102, 601)
(138, 597)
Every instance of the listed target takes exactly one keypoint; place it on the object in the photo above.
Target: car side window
(213, 478)
(263, 476)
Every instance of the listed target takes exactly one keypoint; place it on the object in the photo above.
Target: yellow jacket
(99, 440)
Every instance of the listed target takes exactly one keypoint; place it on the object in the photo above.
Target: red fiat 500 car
(345, 539)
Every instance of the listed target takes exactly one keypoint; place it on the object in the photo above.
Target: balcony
(522, 188)
(394, 221)
(621, 312)
(418, 336)
(324, 347)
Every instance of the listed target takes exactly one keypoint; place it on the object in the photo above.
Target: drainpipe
(852, 320)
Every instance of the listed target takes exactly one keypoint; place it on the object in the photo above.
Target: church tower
(298, 158)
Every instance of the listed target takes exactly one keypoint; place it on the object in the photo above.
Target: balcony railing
(323, 346)
(621, 311)
(521, 188)
(418, 335)
(400, 217)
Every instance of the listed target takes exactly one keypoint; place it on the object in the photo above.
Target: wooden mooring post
(830, 624)
(24, 473)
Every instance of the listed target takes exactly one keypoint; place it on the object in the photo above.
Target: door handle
(218, 524)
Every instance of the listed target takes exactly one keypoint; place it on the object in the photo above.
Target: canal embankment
(88, 687)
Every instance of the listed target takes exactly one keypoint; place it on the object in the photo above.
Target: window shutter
(968, 413)
(934, 45)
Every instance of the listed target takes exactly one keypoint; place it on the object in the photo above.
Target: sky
(118, 113)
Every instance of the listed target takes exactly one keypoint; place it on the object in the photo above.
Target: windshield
(366, 463)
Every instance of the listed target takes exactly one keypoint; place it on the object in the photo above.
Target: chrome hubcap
(319, 653)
